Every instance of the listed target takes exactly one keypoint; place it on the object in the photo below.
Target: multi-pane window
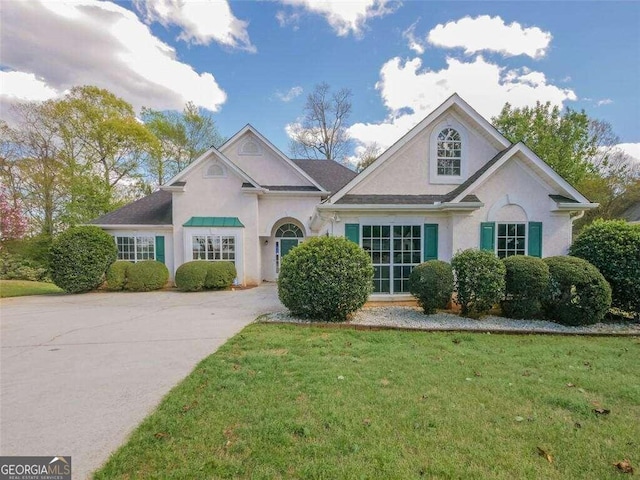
(136, 248)
(449, 152)
(214, 247)
(394, 251)
(511, 239)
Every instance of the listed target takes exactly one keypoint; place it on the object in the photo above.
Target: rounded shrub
(191, 276)
(526, 282)
(578, 294)
(432, 284)
(117, 275)
(80, 256)
(146, 276)
(325, 278)
(479, 281)
(613, 247)
(220, 275)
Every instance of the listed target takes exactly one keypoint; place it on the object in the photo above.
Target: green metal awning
(213, 222)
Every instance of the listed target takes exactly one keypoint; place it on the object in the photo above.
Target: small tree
(80, 257)
(480, 280)
(13, 224)
(613, 246)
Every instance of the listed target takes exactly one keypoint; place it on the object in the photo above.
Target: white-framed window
(449, 152)
(214, 248)
(395, 250)
(135, 248)
(511, 239)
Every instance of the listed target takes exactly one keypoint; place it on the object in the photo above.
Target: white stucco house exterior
(452, 182)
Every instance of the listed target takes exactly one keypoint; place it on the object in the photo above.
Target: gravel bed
(412, 317)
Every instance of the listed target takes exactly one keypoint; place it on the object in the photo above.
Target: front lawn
(20, 288)
(295, 402)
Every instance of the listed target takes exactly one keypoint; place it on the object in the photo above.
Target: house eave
(443, 207)
(294, 193)
(574, 207)
(169, 188)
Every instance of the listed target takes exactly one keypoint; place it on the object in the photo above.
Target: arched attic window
(449, 152)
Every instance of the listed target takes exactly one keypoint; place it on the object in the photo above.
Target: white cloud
(416, 44)
(290, 95)
(345, 16)
(410, 93)
(631, 149)
(89, 42)
(291, 18)
(25, 86)
(604, 101)
(201, 21)
(491, 34)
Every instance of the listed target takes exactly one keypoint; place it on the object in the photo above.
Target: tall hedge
(80, 256)
(613, 246)
(325, 278)
(480, 279)
(578, 293)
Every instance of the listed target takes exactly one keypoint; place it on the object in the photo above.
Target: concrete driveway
(79, 372)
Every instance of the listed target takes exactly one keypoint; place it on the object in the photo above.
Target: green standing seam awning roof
(213, 222)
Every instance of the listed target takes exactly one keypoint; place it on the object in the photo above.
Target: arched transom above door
(289, 230)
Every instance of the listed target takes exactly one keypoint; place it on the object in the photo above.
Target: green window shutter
(430, 242)
(160, 248)
(352, 232)
(535, 239)
(488, 236)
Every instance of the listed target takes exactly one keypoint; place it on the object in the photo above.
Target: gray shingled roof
(331, 175)
(562, 199)
(154, 209)
(400, 199)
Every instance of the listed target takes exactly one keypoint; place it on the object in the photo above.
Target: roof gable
(532, 161)
(234, 148)
(208, 155)
(454, 103)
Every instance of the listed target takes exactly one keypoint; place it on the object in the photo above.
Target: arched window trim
(434, 177)
(289, 230)
(221, 171)
(244, 150)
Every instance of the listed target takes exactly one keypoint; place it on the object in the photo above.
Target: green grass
(294, 402)
(20, 288)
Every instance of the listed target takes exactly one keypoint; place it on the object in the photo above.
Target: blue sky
(255, 62)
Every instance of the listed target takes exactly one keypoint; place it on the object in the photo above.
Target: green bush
(526, 282)
(432, 284)
(80, 256)
(117, 275)
(220, 275)
(578, 294)
(146, 276)
(17, 267)
(613, 247)
(479, 281)
(191, 276)
(325, 278)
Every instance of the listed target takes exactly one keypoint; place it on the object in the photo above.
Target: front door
(287, 244)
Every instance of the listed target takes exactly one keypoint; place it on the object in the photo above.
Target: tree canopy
(322, 132)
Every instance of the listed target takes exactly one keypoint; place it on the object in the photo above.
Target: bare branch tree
(368, 155)
(322, 133)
